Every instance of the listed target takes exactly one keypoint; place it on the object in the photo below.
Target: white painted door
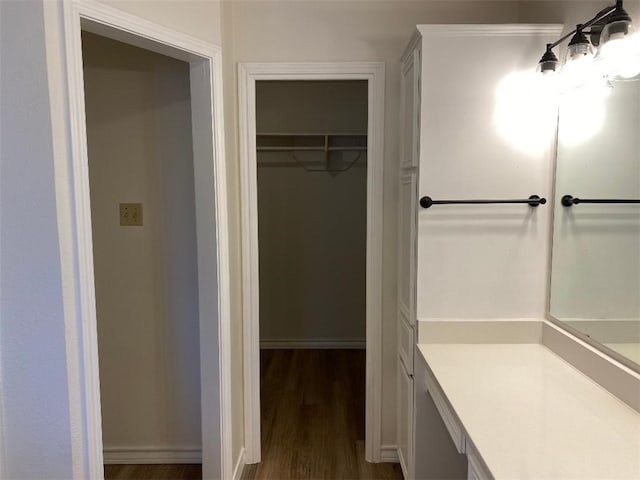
(410, 109)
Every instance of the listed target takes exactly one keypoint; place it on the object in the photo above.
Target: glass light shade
(579, 50)
(619, 56)
(548, 64)
(579, 69)
(616, 29)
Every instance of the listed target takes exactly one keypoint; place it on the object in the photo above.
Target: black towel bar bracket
(532, 201)
(570, 200)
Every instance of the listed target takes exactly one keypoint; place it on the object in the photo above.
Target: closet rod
(532, 201)
(311, 149)
(570, 200)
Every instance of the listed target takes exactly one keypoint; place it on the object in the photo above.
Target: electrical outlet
(131, 214)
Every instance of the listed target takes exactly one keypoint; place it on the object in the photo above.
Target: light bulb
(578, 72)
(578, 69)
(619, 56)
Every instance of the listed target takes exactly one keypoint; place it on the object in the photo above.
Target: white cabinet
(450, 148)
(410, 106)
(407, 217)
(405, 421)
(406, 268)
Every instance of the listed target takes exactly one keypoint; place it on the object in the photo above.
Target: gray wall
(44, 430)
(140, 150)
(312, 225)
(36, 423)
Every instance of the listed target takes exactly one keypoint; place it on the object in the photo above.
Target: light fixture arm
(577, 36)
(599, 17)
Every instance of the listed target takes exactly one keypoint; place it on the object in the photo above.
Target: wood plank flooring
(312, 423)
(153, 472)
(313, 417)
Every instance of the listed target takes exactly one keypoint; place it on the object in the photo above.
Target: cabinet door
(407, 217)
(436, 456)
(410, 110)
(405, 421)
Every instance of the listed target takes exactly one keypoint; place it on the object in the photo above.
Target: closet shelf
(326, 143)
(297, 142)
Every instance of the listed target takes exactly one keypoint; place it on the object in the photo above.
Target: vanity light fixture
(549, 61)
(617, 55)
(579, 45)
(578, 68)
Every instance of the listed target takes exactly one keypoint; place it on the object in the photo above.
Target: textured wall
(36, 424)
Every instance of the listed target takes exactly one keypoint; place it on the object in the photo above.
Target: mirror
(595, 279)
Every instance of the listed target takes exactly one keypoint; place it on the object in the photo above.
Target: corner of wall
(238, 465)
(233, 189)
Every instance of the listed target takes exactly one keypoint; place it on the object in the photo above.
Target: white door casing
(248, 74)
(205, 62)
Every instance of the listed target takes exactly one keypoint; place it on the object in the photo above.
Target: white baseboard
(320, 343)
(237, 471)
(147, 455)
(389, 454)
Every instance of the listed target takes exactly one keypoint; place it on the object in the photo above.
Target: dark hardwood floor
(312, 423)
(153, 472)
(313, 417)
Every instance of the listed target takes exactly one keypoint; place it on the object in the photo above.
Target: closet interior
(138, 118)
(312, 194)
(311, 147)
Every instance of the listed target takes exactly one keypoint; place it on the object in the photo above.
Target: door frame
(205, 65)
(374, 74)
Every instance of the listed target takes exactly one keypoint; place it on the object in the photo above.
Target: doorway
(208, 240)
(371, 76)
(138, 117)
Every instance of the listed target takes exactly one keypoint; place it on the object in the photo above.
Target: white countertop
(531, 415)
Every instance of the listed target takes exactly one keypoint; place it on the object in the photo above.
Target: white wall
(319, 31)
(312, 225)
(198, 18)
(140, 150)
(36, 420)
(480, 261)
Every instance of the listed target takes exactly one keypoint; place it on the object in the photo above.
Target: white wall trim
(248, 74)
(490, 30)
(152, 455)
(389, 454)
(83, 367)
(317, 343)
(237, 470)
(3, 463)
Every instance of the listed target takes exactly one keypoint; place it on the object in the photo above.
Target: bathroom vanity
(518, 411)
(490, 383)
